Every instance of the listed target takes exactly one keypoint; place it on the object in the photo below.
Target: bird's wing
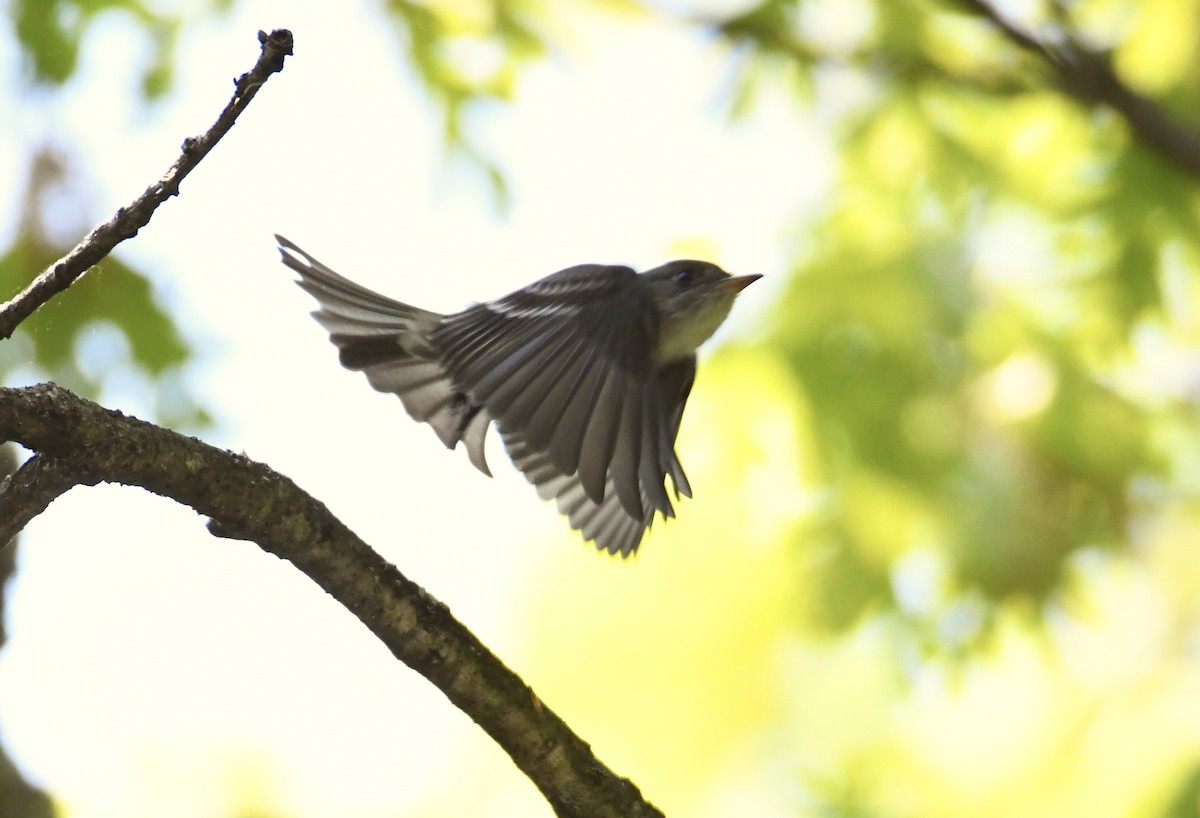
(565, 366)
(607, 522)
(388, 341)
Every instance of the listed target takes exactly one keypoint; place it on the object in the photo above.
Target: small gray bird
(585, 373)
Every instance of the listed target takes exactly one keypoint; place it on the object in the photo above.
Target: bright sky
(147, 660)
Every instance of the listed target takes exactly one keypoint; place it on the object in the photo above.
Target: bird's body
(585, 373)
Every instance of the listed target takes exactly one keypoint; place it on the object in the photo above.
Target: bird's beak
(739, 283)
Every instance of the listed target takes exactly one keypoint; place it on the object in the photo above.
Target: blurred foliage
(467, 52)
(50, 35)
(969, 318)
(954, 566)
(112, 307)
(51, 32)
(969, 438)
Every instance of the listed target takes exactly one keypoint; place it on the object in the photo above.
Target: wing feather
(600, 435)
(531, 380)
(627, 453)
(607, 523)
(675, 385)
(547, 397)
(652, 468)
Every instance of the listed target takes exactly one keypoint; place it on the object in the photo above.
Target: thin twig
(248, 498)
(127, 221)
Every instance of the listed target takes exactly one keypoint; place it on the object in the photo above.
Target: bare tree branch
(95, 444)
(25, 493)
(1089, 78)
(129, 220)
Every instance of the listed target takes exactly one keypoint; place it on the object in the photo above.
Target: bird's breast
(680, 337)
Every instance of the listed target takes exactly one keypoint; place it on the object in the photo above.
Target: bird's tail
(390, 342)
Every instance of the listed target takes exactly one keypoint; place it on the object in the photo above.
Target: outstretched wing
(388, 341)
(565, 366)
(607, 522)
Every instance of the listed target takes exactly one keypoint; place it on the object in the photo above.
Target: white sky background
(147, 660)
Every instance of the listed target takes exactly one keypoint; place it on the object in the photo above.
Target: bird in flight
(585, 374)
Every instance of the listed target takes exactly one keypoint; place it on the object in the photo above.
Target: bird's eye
(684, 276)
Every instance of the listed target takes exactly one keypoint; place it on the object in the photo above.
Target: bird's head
(692, 299)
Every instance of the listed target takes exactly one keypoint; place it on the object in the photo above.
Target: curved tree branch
(91, 444)
(127, 221)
